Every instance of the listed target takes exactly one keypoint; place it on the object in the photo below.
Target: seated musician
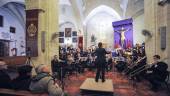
(88, 62)
(78, 63)
(70, 61)
(129, 63)
(120, 66)
(62, 55)
(139, 63)
(142, 62)
(55, 64)
(109, 62)
(5, 81)
(44, 83)
(157, 73)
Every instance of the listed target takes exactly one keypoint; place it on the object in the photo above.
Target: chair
(167, 80)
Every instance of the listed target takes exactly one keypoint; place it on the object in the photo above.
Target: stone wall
(138, 26)
(156, 17)
(48, 22)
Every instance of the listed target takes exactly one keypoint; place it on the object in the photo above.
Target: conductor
(100, 62)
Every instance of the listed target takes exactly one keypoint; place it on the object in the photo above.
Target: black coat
(5, 81)
(160, 70)
(54, 65)
(101, 58)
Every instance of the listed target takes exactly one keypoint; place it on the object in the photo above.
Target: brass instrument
(135, 64)
(139, 70)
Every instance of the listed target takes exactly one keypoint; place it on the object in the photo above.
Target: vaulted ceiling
(124, 8)
(81, 9)
(14, 7)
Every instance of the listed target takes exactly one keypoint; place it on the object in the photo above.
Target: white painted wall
(138, 26)
(67, 20)
(19, 36)
(100, 25)
(66, 15)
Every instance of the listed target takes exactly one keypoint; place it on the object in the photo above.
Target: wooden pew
(16, 60)
(19, 93)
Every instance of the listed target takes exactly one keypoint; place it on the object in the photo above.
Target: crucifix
(122, 35)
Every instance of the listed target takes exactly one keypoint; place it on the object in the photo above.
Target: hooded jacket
(44, 83)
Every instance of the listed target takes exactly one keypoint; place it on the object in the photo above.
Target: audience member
(44, 83)
(5, 81)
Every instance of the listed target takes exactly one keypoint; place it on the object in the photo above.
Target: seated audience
(5, 81)
(44, 83)
(22, 82)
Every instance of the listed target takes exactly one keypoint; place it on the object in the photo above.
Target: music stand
(61, 74)
(29, 60)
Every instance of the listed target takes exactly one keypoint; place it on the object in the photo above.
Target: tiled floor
(122, 86)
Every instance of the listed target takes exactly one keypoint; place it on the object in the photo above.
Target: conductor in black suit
(100, 62)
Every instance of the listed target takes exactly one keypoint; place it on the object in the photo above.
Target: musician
(157, 73)
(141, 61)
(62, 55)
(120, 62)
(54, 64)
(100, 62)
(109, 62)
(70, 61)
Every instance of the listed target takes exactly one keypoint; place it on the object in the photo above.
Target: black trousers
(154, 80)
(100, 74)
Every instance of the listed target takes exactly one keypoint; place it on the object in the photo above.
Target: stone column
(48, 23)
(155, 17)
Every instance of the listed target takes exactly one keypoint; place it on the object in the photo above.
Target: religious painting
(4, 48)
(93, 38)
(14, 51)
(74, 40)
(67, 32)
(123, 34)
(61, 40)
(61, 34)
(74, 33)
(12, 29)
(80, 42)
(1, 21)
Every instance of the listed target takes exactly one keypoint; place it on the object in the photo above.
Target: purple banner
(123, 33)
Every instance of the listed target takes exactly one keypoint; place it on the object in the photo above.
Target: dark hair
(157, 56)
(24, 69)
(100, 44)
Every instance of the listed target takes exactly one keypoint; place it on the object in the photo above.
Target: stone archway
(100, 27)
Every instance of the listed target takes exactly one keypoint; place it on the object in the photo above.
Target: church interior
(84, 47)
